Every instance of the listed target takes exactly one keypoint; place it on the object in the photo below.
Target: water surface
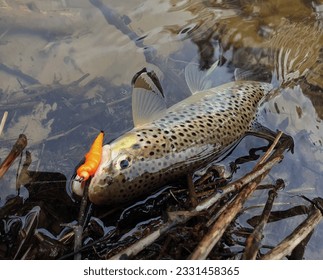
(66, 70)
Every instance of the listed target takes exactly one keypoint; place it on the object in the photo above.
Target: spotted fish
(166, 144)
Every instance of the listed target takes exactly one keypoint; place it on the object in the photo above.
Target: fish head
(117, 178)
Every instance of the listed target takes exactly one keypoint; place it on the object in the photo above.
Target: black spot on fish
(136, 146)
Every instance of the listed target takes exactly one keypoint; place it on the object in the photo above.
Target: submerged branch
(300, 233)
(78, 229)
(3, 121)
(223, 221)
(16, 150)
(254, 240)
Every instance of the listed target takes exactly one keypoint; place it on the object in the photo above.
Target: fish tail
(295, 49)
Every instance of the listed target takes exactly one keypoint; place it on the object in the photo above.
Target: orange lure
(92, 159)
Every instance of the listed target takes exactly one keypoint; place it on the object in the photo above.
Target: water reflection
(66, 68)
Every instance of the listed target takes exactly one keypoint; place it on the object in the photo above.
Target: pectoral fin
(148, 100)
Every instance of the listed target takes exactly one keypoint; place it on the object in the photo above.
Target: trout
(168, 143)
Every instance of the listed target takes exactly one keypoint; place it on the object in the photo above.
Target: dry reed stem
(213, 236)
(16, 150)
(254, 239)
(217, 230)
(78, 229)
(270, 150)
(300, 233)
(237, 185)
(3, 121)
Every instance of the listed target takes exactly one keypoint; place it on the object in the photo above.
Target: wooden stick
(149, 239)
(269, 151)
(3, 121)
(254, 240)
(300, 233)
(237, 185)
(78, 229)
(280, 215)
(213, 236)
(16, 150)
(191, 190)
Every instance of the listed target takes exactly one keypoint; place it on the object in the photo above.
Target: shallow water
(47, 46)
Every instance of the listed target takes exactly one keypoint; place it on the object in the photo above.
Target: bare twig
(254, 240)
(237, 185)
(191, 190)
(3, 121)
(280, 215)
(300, 233)
(213, 236)
(78, 229)
(299, 250)
(217, 230)
(270, 149)
(149, 239)
(16, 150)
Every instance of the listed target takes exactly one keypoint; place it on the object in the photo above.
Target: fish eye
(124, 163)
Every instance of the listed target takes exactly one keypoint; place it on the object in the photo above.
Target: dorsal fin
(198, 80)
(148, 100)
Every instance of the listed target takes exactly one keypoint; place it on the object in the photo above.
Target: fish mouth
(77, 186)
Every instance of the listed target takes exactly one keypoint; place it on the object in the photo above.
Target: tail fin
(294, 50)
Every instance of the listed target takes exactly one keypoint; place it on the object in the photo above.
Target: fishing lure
(92, 159)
